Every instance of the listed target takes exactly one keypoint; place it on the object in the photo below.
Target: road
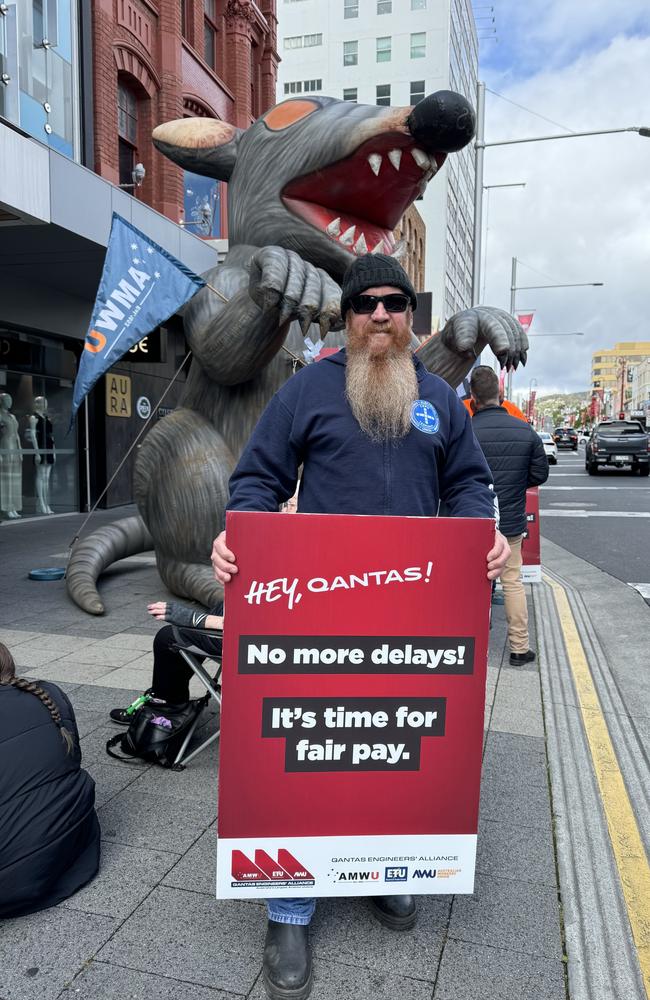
(604, 519)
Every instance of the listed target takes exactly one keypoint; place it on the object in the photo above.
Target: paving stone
(519, 852)
(41, 952)
(87, 719)
(469, 972)
(104, 981)
(105, 653)
(108, 780)
(174, 932)
(516, 915)
(336, 981)
(14, 637)
(346, 929)
(126, 875)
(67, 670)
(132, 676)
(197, 870)
(130, 640)
(525, 722)
(93, 749)
(514, 800)
(100, 698)
(197, 782)
(143, 819)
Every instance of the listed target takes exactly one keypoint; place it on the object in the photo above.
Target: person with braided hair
(49, 831)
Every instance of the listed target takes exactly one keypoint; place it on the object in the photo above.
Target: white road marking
(594, 513)
(643, 588)
(574, 505)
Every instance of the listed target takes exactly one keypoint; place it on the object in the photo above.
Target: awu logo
(285, 871)
(396, 874)
(425, 873)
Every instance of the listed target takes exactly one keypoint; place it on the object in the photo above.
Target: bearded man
(375, 433)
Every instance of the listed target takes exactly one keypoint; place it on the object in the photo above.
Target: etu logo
(396, 874)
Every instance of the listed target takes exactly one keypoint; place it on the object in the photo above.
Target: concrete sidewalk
(149, 925)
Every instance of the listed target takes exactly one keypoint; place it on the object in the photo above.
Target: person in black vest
(517, 460)
(49, 834)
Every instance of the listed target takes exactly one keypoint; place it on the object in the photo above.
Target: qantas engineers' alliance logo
(283, 872)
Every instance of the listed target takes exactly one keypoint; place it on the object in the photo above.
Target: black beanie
(372, 270)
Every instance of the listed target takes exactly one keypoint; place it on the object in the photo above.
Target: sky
(584, 215)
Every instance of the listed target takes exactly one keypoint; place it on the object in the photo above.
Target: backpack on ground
(156, 733)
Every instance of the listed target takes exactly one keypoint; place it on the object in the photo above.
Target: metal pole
(87, 450)
(479, 153)
(513, 292)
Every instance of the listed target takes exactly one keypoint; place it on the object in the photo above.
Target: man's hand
(498, 556)
(223, 560)
(158, 610)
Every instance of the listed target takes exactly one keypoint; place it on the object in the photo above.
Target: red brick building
(156, 60)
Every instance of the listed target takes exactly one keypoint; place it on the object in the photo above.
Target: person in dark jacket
(517, 459)
(49, 831)
(375, 433)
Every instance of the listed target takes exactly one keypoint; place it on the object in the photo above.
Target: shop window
(127, 130)
(418, 44)
(350, 94)
(384, 49)
(350, 53)
(210, 33)
(417, 91)
(383, 94)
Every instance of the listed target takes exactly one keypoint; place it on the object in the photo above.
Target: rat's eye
(289, 112)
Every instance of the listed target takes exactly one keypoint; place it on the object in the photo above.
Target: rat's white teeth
(375, 163)
(421, 158)
(361, 246)
(334, 227)
(348, 237)
(395, 157)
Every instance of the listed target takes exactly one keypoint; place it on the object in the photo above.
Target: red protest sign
(353, 697)
(531, 569)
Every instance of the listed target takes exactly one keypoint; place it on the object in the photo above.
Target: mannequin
(41, 436)
(11, 460)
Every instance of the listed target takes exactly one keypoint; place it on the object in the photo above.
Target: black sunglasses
(393, 303)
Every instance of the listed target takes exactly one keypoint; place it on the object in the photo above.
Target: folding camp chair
(212, 685)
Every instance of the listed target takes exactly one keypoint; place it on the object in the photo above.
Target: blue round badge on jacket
(424, 416)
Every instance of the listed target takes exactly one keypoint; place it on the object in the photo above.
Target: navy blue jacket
(309, 422)
(49, 832)
(516, 456)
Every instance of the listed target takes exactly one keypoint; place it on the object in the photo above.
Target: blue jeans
(291, 911)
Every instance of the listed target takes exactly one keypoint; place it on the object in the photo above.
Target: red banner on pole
(353, 696)
(531, 570)
(525, 319)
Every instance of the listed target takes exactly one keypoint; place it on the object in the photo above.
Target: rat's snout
(442, 122)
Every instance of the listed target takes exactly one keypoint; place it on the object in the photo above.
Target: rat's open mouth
(358, 201)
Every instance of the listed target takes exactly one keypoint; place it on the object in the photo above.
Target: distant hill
(556, 406)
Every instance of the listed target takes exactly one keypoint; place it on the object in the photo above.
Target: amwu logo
(283, 872)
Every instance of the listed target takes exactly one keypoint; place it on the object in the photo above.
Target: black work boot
(287, 961)
(396, 912)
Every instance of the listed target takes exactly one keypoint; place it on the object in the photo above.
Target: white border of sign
(354, 866)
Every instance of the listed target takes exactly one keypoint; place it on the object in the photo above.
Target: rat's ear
(203, 145)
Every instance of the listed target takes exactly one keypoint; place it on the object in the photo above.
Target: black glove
(178, 614)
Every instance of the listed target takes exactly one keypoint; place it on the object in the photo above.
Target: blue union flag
(141, 286)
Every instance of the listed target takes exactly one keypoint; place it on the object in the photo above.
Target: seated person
(170, 683)
(49, 834)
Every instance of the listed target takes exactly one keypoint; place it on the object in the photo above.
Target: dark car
(618, 443)
(566, 437)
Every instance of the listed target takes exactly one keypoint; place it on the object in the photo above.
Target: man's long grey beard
(381, 390)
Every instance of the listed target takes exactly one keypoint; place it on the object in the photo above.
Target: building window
(418, 4)
(127, 130)
(383, 49)
(417, 91)
(294, 42)
(384, 6)
(418, 45)
(350, 94)
(311, 40)
(350, 8)
(210, 33)
(311, 86)
(293, 88)
(383, 94)
(350, 53)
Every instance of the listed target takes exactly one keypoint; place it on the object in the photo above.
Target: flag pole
(141, 432)
(294, 357)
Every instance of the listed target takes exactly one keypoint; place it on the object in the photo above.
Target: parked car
(549, 447)
(618, 443)
(566, 437)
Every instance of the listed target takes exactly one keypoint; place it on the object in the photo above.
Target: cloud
(584, 215)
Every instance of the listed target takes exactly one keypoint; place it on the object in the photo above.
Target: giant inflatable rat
(311, 183)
